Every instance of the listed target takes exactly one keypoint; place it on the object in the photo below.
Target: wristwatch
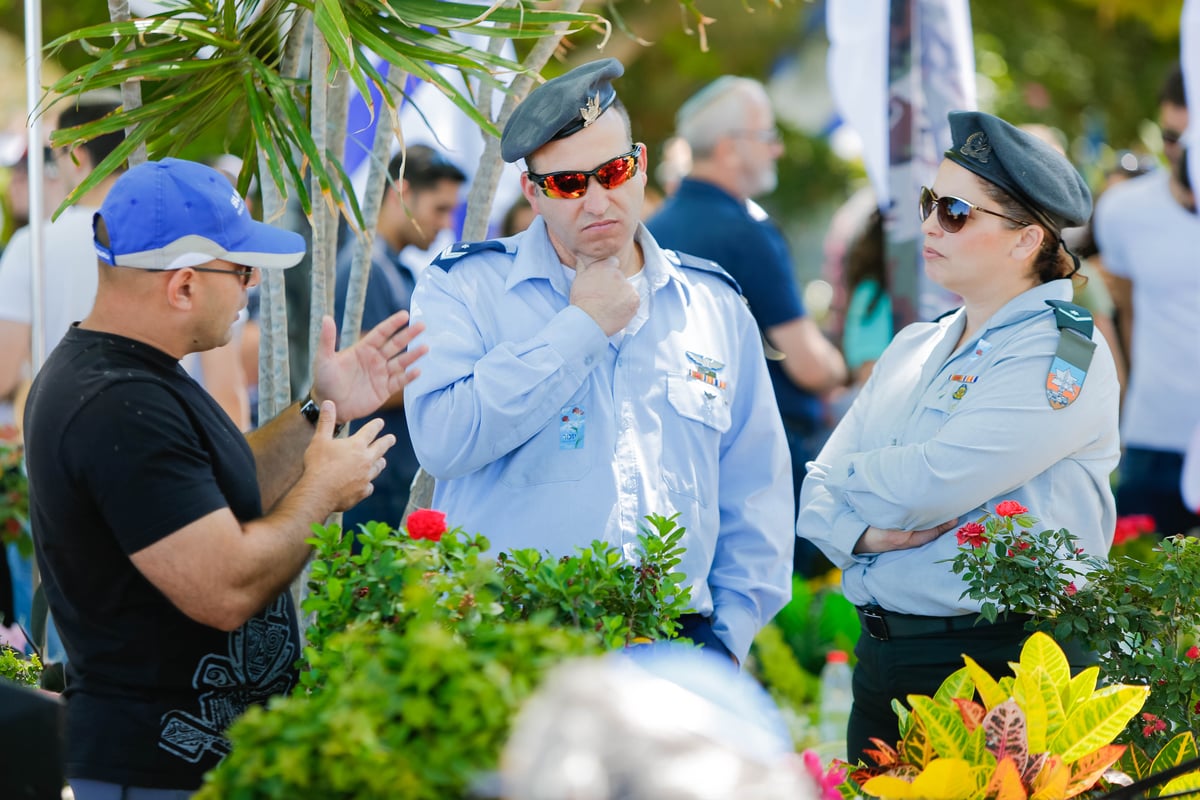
(312, 412)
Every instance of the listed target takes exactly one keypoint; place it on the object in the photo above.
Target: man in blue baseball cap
(166, 538)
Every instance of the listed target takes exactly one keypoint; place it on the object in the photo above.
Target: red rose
(1193, 652)
(1071, 589)
(973, 534)
(425, 523)
(1010, 508)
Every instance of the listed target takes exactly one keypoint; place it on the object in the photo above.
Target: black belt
(882, 624)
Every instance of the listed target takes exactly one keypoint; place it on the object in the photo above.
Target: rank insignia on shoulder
(1073, 356)
(454, 252)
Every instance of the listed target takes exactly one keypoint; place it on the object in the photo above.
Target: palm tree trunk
(487, 177)
(131, 91)
(487, 180)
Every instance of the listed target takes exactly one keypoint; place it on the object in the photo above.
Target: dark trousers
(699, 629)
(1149, 484)
(902, 666)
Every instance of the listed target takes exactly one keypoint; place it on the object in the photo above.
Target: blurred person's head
(77, 161)
(730, 127)
(420, 197)
(518, 217)
(1173, 115)
(675, 164)
(667, 722)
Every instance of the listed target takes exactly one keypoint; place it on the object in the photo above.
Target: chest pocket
(699, 401)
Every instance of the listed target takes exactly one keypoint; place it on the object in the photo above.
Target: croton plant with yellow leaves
(1040, 733)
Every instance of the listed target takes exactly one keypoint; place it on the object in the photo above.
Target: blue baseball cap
(171, 214)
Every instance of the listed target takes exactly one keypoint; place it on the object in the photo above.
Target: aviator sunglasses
(952, 212)
(572, 185)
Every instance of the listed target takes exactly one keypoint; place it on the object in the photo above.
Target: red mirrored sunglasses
(573, 185)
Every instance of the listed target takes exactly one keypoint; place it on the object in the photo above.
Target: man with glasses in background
(580, 377)
(166, 538)
(730, 127)
(1148, 234)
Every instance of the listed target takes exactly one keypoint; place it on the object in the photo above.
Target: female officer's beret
(1030, 170)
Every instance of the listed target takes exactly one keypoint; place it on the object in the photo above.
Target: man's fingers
(327, 419)
(327, 343)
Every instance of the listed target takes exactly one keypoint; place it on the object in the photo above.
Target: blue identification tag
(571, 428)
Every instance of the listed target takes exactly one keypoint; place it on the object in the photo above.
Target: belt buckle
(875, 624)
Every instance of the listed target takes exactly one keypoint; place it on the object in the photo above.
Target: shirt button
(588, 360)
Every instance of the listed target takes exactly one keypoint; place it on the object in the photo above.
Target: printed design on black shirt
(257, 666)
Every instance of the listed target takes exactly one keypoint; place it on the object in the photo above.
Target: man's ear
(180, 289)
(531, 192)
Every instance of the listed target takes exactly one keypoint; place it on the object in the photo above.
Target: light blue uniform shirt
(910, 454)
(543, 433)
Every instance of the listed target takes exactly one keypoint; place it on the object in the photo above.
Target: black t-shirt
(123, 449)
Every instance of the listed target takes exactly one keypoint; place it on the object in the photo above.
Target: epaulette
(703, 265)
(1073, 356)
(446, 259)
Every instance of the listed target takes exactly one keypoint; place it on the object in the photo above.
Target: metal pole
(37, 164)
(39, 614)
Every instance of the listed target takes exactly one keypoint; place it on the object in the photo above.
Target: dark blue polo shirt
(706, 221)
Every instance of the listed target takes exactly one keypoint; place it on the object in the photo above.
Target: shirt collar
(1029, 303)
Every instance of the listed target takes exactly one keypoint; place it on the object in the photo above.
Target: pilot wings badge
(591, 112)
(706, 369)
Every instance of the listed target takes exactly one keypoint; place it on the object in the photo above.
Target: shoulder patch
(447, 258)
(1069, 368)
(703, 265)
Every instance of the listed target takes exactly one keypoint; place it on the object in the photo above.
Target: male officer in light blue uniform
(580, 377)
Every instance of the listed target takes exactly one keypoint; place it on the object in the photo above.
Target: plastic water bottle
(836, 697)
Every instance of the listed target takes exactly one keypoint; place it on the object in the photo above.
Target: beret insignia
(977, 147)
(591, 112)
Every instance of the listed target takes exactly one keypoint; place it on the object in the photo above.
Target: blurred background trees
(1090, 68)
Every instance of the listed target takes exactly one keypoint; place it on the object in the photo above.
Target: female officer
(1006, 398)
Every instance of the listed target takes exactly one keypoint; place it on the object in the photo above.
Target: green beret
(1033, 172)
(560, 107)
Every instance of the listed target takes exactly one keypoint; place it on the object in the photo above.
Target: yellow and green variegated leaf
(989, 690)
(947, 731)
(916, 748)
(1184, 783)
(1006, 685)
(1087, 770)
(888, 787)
(1005, 783)
(902, 716)
(1042, 651)
(1036, 693)
(959, 684)
(1135, 763)
(1051, 782)
(944, 779)
(1082, 687)
(1181, 748)
(1098, 720)
(1027, 694)
(976, 751)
